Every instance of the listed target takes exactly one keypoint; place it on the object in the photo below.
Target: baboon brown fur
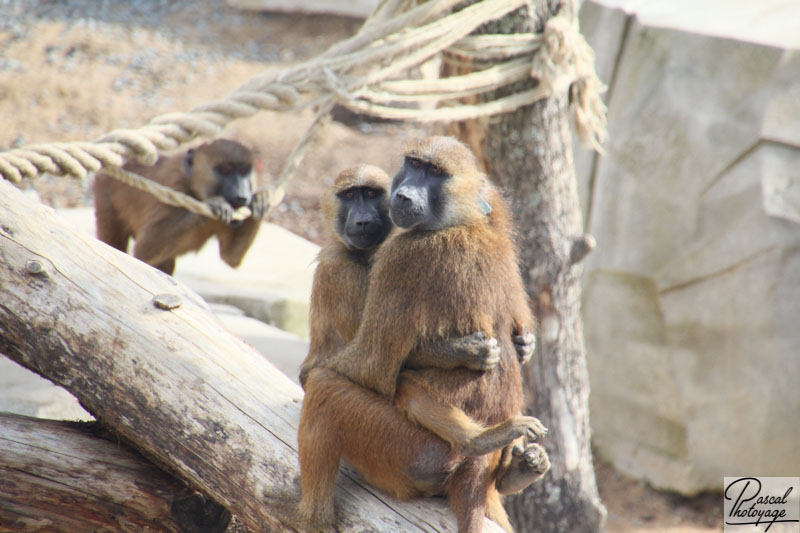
(341, 277)
(219, 172)
(356, 210)
(453, 273)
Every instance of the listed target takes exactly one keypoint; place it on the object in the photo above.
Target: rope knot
(565, 63)
(554, 65)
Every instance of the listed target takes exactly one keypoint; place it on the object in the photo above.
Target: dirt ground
(72, 70)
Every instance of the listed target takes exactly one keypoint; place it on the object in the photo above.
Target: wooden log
(169, 378)
(59, 476)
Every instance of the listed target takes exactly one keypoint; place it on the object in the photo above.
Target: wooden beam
(171, 380)
(58, 475)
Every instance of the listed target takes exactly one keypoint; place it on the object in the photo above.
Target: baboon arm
(169, 236)
(376, 355)
(524, 321)
(234, 241)
(475, 351)
(337, 298)
(324, 343)
(523, 326)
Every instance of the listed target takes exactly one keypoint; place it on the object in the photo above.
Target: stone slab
(351, 8)
(283, 349)
(604, 30)
(766, 22)
(692, 298)
(25, 393)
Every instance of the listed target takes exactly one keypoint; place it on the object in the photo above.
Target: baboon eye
(349, 195)
(437, 171)
(371, 193)
(225, 170)
(416, 163)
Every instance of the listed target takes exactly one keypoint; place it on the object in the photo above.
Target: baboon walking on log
(219, 173)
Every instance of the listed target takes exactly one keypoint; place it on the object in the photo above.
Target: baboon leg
(495, 510)
(527, 465)
(167, 267)
(319, 451)
(341, 420)
(467, 492)
(446, 421)
(109, 227)
(235, 241)
(464, 434)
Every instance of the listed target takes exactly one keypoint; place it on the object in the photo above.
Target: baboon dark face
(417, 199)
(362, 220)
(235, 182)
(221, 168)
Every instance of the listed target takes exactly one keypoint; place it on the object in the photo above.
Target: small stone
(36, 268)
(167, 301)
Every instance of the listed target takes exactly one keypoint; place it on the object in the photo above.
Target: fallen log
(149, 360)
(60, 476)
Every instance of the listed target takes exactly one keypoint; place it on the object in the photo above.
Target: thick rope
(168, 195)
(357, 73)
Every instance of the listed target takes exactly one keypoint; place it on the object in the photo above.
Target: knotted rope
(357, 73)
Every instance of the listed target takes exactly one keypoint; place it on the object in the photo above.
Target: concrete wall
(692, 299)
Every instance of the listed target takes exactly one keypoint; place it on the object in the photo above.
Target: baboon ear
(188, 160)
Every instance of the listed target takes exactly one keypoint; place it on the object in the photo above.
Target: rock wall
(692, 298)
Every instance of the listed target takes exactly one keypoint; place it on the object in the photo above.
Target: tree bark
(528, 153)
(60, 476)
(149, 360)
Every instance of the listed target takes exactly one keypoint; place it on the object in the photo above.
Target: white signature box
(761, 504)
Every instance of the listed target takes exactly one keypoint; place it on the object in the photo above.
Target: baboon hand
(482, 352)
(221, 208)
(524, 344)
(259, 205)
(533, 428)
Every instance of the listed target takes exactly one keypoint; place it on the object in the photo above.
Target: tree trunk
(60, 476)
(149, 360)
(529, 154)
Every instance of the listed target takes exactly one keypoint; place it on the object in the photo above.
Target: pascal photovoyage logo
(762, 504)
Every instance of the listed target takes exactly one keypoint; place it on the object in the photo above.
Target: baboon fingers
(502, 435)
(534, 428)
(259, 205)
(524, 345)
(221, 208)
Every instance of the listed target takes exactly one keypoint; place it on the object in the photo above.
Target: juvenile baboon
(447, 273)
(219, 173)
